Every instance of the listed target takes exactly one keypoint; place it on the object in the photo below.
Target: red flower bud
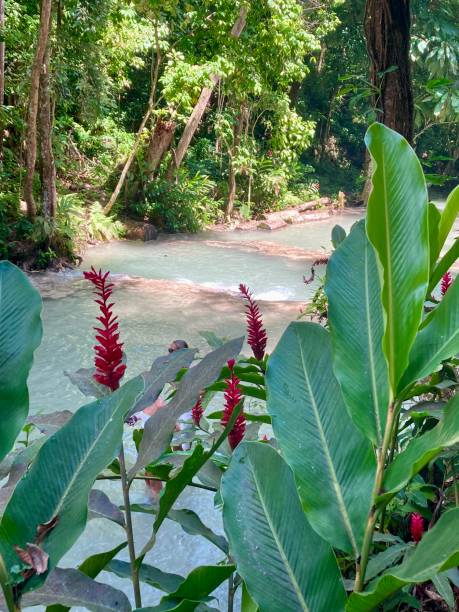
(446, 282)
(256, 334)
(109, 355)
(233, 396)
(416, 527)
(197, 411)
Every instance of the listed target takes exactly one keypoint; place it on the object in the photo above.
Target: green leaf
(84, 380)
(20, 335)
(397, 226)
(92, 566)
(100, 506)
(311, 423)
(200, 582)
(69, 587)
(384, 559)
(163, 371)
(159, 427)
(247, 603)
(436, 552)
(65, 469)
(444, 265)
(441, 583)
(338, 235)
(256, 418)
(434, 222)
(284, 563)
(448, 217)
(421, 450)
(437, 340)
(153, 576)
(356, 322)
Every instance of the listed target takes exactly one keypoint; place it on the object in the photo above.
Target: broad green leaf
(434, 248)
(159, 427)
(153, 576)
(436, 552)
(318, 438)
(444, 265)
(256, 418)
(448, 217)
(421, 450)
(69, 587)
(20, 335)
(397, 226)
(437, 340)
(92, 566)
(356, 318)
(282, 560)
(60, 479)
(163, 371)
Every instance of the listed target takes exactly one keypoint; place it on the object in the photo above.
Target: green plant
(340, 404)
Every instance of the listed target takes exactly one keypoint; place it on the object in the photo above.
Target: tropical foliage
(350, 497)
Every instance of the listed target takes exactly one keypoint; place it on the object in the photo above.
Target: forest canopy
(185, 113)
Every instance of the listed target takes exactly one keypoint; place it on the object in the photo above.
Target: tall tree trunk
(237, 133)
(155, 64)
(31, 139)
(45, 128)
(2, 76)
(387, 32)
(160, 141)
(201, 105)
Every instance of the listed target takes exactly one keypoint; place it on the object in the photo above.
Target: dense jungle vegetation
(184, 113)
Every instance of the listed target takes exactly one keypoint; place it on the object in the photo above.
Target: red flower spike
(416, 527)
(233, 396)
(109, 355)
(256, 334)
(197, 411)
(446, 282)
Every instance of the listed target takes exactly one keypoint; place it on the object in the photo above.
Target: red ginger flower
(446, 282)
(256, 334)
(197, 411)
(109, 356)
(416, 527)
(233, 396)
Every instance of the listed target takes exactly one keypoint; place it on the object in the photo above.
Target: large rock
(272, 224)
(141, 231)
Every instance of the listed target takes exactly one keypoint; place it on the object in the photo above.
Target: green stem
(362, 562)
(456, 487)
(130, 531)
(6, 588)
(231, 593)
(197, 485)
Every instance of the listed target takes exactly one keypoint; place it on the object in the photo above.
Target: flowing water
(171, 288)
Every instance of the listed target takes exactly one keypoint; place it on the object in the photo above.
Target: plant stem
(190, 484)
(6, 588)
(130, 531)
(456, 487)
(361, 565)
(231, 593)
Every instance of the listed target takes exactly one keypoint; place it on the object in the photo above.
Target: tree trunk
(201, 105)
(31, 139)
(387, 32)
(160, 141)
(155, 64)
(45, 127)
(237, 132)
(2, 76)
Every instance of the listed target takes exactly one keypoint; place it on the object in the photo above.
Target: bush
(187, 206)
